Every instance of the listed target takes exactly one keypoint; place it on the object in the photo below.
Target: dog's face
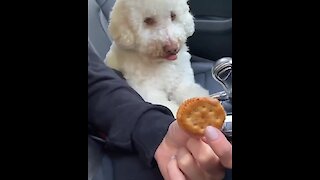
(155, 28)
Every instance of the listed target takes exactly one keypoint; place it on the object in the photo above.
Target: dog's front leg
(159, 97)
(186, 91)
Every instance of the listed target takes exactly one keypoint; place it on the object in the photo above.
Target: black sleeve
(128, 121)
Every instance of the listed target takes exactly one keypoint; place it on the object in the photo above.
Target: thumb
(220, 145)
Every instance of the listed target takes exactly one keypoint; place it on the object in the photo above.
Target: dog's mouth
(170, 51)
(167, 53)
(171, 57)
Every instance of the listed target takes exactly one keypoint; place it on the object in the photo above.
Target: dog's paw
(174, 110)
(185, 92)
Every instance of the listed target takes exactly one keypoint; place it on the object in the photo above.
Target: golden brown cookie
(195, 114)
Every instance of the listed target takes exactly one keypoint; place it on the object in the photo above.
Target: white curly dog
(149, 48)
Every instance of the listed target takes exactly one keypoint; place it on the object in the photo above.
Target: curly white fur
(144, 33)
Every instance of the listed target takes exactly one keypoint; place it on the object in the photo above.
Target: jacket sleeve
(117, 110)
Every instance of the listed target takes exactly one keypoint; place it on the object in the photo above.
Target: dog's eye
(149, 21)
(173, 16)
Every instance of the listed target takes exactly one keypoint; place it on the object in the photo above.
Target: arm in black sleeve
(128, 121)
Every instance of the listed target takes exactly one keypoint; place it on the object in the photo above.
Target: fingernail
(211, 133)
(173, 157)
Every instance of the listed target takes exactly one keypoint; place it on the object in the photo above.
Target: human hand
(204, 159)
(175, 139)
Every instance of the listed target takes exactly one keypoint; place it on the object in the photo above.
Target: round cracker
(195, 114)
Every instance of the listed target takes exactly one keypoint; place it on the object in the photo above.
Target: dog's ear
(119, 26)
(188, 22)
(188, 19)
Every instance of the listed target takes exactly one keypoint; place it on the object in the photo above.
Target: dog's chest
(164, 75)
(169, 75)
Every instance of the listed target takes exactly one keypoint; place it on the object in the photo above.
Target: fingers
(220, 145)
(207, 159)
(188, 165)
(176, 136)
(174, 171)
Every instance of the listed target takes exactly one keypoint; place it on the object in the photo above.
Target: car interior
(211, 42)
